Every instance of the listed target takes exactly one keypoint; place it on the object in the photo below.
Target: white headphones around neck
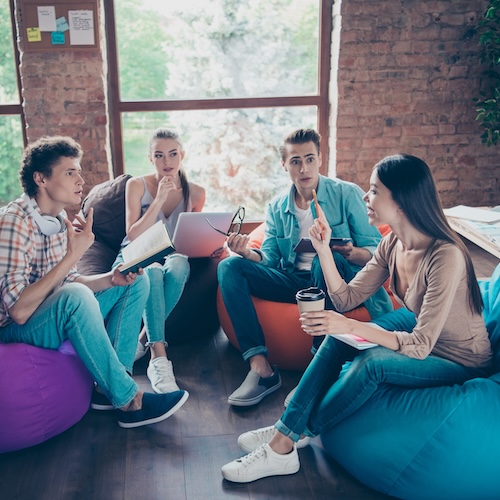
(48, 224)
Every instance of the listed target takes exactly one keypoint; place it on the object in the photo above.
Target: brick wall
(64, 94)
(407, 73)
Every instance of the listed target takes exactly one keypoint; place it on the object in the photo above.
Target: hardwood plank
(484, 262)
(206, 456)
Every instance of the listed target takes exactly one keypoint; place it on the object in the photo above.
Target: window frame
(117, 106)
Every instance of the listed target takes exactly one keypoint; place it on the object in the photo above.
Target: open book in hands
(153, 245)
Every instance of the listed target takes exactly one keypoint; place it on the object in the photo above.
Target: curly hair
(42, 155)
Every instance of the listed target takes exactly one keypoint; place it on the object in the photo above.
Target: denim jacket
(343, 205)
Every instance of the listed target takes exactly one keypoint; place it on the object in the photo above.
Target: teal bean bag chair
(435, 443)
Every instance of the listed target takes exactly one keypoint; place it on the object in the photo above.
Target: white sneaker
(289, 396)
(140, 351)
(262, 462)
(161, 375)
(250, 441)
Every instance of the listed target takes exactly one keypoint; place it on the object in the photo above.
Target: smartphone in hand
(305, 244)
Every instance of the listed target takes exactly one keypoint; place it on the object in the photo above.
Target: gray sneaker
(255, 388)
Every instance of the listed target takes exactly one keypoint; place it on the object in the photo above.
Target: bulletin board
(55, 25)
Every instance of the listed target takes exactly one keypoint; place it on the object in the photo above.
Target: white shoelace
(253, 456)
(164, 370)
(265, 434)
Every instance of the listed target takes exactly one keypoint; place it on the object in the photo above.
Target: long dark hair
(412, 187)
(165, 133)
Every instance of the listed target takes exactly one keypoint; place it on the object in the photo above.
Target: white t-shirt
(306, 220)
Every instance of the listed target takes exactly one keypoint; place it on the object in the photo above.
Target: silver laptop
(193, 235)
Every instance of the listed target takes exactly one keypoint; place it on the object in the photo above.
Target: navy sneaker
(255, 388)
(100, 402)
(155, 408)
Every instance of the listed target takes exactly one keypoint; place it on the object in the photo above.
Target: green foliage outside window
(142, 51)
(488, 105)
(234, 49)
(11, 147)
(11, 139)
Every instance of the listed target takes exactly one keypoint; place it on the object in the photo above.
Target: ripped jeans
(323, 398)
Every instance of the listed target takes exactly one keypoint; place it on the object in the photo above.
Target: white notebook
(355, 341)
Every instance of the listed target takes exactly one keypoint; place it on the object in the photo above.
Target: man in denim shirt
(276, 272)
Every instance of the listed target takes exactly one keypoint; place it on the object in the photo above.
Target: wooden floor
(181, 457)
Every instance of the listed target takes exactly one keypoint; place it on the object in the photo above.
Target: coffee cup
(310, 299)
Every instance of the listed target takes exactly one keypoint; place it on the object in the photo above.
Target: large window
(11, 126)
(232, 76)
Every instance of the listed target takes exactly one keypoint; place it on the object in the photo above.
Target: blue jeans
(166, 286)
(103, 329)
(323, 399)
(240, 279)
(167, 283)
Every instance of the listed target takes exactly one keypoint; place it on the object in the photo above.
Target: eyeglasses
(235, 226)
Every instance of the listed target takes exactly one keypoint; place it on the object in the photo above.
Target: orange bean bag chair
(287, 344)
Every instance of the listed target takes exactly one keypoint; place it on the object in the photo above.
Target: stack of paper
(482, 226)
(490, 216)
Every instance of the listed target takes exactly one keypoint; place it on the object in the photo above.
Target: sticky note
(34, 34)
(57, 38)
(62, 24)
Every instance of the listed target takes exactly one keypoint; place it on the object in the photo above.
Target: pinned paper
(62, 24)
(47, 18)
(34, 35)
(81, 27)
(57, 38)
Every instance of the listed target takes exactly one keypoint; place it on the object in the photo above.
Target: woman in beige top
(439, 338)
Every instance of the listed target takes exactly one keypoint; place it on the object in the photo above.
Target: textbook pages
(151, 246)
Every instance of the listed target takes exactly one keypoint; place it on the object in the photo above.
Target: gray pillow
(108, 201)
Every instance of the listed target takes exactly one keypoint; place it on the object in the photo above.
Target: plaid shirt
(26, 254)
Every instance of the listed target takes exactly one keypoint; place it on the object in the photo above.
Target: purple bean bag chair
(42, 393)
